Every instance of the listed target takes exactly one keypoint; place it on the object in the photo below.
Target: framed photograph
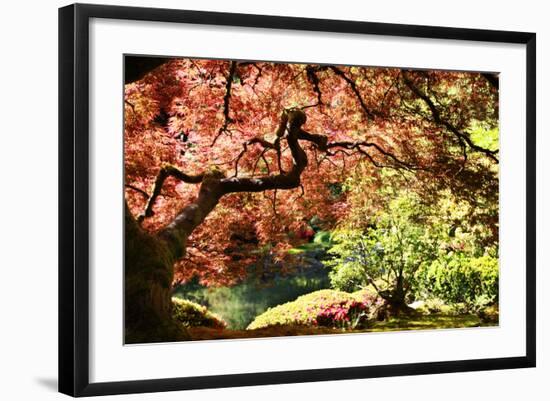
(250, 199)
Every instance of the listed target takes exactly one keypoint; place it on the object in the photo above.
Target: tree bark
(147, 281)
(394, 301)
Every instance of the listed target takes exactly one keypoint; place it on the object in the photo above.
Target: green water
(240, 304)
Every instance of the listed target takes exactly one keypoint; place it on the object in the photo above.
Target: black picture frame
(74, 194)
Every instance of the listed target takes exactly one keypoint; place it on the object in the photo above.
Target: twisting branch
(138, 190)
(355, 90)
(214, 184)
(292, 120)
(258, 75)
(302, 192)
(226, 99)
(311, 73)
(131, 105)
(276, 145)
(265, 144)
(389, 155)
(438, 119)
(165, 172)
(266, 164)
(273, 202)
(258, 161)
(321, 141)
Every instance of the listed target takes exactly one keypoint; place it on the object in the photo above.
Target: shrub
(327, 308)
(346, 314)
(191, 314)
(389, 245)
(438, 306)
(432, 305)
(481, 302)
(346, 277)
(460, 279)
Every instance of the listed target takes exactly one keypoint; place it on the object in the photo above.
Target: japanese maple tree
(223, 158)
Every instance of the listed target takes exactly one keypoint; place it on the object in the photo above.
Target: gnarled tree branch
(165, 172)
(226, 98)
(214, 185)
(311, 73)
(284, 180)
(462, 137)
(138, 190)
(355, 90)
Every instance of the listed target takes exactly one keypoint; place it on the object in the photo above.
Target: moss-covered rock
(191, 314)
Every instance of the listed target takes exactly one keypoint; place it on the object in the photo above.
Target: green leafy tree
(408, 246)
(387, 254)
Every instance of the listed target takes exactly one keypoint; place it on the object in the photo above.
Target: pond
(240, 304)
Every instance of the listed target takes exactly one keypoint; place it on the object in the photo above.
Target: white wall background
(28, 200)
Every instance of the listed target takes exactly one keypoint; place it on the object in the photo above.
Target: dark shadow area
(137, 67)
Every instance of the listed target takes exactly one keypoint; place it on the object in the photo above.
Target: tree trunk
(148, 277)
(393, 307)
(394, 302)
(149, 268)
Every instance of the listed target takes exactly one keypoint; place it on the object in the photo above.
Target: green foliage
(484, 136)
(392, 248)
(191, 314)
(330, 308)
(323, 238)
(439, 249)
(431, 306)
(458, 278)
(482, 302)
(321, 242)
